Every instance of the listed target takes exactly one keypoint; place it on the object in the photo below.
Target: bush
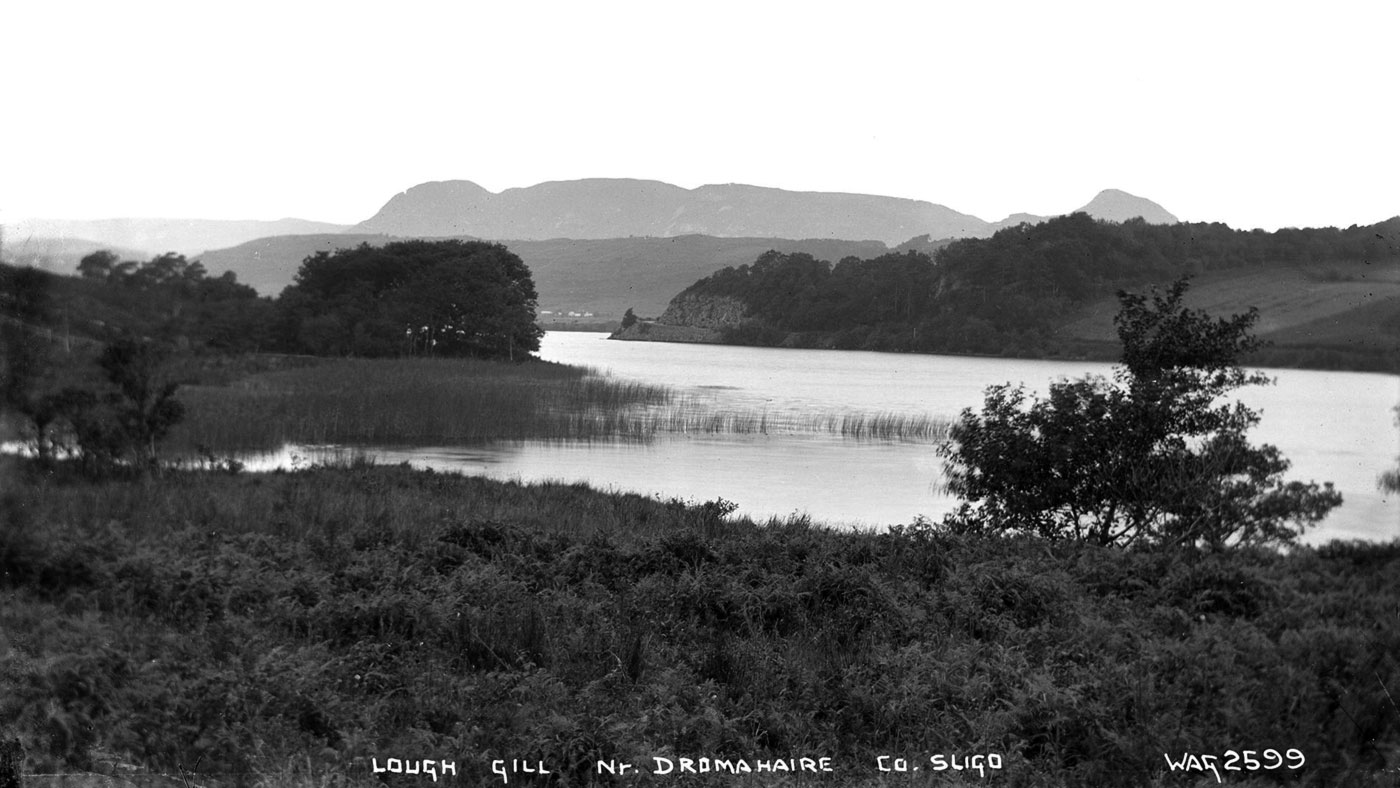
(1147, 458)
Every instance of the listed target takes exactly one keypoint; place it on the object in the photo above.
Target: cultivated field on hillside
(1332, 303)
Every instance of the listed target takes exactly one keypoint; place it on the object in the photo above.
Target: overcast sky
(1254, 114)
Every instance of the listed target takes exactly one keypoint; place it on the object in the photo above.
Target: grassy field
(297, 628)
(1346, 309)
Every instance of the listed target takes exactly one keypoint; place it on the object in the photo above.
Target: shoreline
(1322, 358)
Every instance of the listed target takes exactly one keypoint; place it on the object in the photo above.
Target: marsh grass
(690, 416)
(462, 402)
(407, 401)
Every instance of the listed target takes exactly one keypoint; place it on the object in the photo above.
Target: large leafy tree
(1153, 456)
(449, 298)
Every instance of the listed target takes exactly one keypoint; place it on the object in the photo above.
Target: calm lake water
(1334, 426)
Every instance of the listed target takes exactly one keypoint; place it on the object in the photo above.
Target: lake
(1334, 426)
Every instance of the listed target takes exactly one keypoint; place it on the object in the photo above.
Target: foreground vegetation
(291, 627)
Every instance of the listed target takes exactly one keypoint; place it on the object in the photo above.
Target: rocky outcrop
(651, 331)
(688, 319)
(710, 312)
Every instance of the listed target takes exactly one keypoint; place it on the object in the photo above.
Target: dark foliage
(306, 622)
(144, 404)
(442, 298)
(27, 363)
(168, 298)
(1007, 294)
(1150, 458)
(49, 380)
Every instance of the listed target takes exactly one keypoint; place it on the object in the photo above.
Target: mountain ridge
(597, 208)
(585, 209)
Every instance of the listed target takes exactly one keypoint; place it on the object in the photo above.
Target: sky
(1254, 114)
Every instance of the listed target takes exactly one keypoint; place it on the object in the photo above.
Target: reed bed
(411, 401)
(685, 418)
(463, 402)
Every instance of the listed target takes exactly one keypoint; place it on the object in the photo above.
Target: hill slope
(157, 236)
(1305, 311)
(1327, 298)
(60, 255)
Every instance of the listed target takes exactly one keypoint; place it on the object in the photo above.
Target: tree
(451, 298)
(145, 408)
(629, 318)
(1149, 457)
(98, 265)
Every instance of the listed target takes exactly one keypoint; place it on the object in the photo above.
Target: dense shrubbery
(304, 623)
(53, 391)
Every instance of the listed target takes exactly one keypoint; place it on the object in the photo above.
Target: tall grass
(457, 402)
(405, 402)
(690, 417)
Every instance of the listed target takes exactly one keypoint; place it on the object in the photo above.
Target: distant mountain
(158, 236)
(1110, 205)
(599, 245)
(603, 276)
(1020, 218)
(59, 255)
(1119, 206)
(590, 209)
(600, 208)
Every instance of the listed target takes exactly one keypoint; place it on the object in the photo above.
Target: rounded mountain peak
(1116, 205)
(435, 208)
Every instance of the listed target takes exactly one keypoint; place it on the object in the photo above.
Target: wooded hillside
(1034, 290)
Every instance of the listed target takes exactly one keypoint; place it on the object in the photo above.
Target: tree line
(1005, 294)
(86, 359)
